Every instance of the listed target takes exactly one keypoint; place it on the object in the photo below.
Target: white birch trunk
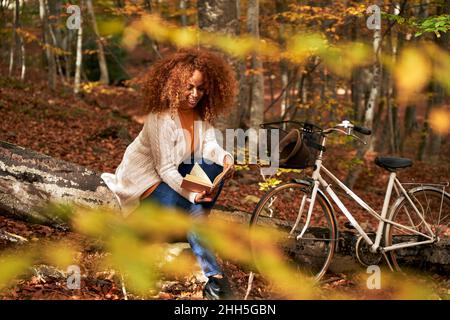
(22, 52)
(79, 58)
(375, 89)
(14, 39)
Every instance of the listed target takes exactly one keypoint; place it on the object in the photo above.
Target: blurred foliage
(440, 120)
(136, 247)
(414, 69)
(13, 265)
(340, 58)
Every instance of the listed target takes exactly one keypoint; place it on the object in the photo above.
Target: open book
(198, 181)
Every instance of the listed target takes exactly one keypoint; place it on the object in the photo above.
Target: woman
(184, 93)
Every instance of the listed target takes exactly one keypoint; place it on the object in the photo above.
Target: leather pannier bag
(298, 149)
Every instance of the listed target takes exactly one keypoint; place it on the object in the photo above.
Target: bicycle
(304, 214)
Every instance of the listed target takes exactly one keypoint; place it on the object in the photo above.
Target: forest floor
(93, 131)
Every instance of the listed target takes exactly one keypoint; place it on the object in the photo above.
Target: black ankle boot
(217, 289)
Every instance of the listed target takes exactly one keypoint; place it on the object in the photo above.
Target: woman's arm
(161, 137)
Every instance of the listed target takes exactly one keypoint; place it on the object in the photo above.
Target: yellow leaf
(111, 27)
(440, 120)
(411, 73)
(61, 255)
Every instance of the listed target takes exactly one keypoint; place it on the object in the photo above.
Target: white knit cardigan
(154, 156)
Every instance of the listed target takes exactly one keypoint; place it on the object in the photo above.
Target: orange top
(187, 118)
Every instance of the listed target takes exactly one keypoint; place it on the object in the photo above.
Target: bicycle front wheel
(307, 243)
(434, 206)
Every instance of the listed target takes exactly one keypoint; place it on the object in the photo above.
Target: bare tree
(370, 106)
(50, 57)
(22, 52)
(104, 76)
(183, 5)
(12, 52)
(148, 41)
(79, 56)
(430, 144)
(280, 6)
(257, 77)
(223, 16)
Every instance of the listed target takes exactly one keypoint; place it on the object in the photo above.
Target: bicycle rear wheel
(434, 205)
(286, 209)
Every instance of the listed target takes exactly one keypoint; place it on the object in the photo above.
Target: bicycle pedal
(348, 225)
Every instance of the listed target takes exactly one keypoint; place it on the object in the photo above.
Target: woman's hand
(228, 163)
(203, 197)
(208, 197)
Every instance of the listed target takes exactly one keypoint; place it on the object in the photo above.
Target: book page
(197, 180)
(198, 172)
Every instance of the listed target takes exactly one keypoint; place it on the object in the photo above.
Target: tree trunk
(223, 16)
(183, 5)
(67, 46)
(284, 82)
(430, 145)
(392, 109)
(79, 58)
(22, 52)
(370, 107)
(375, 90)
(29, 181)
(439, 92)
(51, 10)
(50, 57)
(257, 77)
(280, 6)
(148, 41)
(437, 255)
(14, 39)
(104, 76)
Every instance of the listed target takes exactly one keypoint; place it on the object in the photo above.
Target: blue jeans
(166, 196)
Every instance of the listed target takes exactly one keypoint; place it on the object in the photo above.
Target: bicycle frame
(374, 245)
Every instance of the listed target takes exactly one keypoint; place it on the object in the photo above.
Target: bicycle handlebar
(309, 127)
(305, 126)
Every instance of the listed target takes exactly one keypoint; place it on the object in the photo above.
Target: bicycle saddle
(391, 163)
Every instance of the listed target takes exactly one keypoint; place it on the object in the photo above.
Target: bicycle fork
(310, 210)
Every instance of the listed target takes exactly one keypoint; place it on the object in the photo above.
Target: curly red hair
(164, 80)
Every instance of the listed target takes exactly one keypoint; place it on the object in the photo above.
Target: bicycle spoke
(288, 205)
(435, 216)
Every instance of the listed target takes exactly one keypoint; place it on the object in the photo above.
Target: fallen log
(427, 257)
(30, 180)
